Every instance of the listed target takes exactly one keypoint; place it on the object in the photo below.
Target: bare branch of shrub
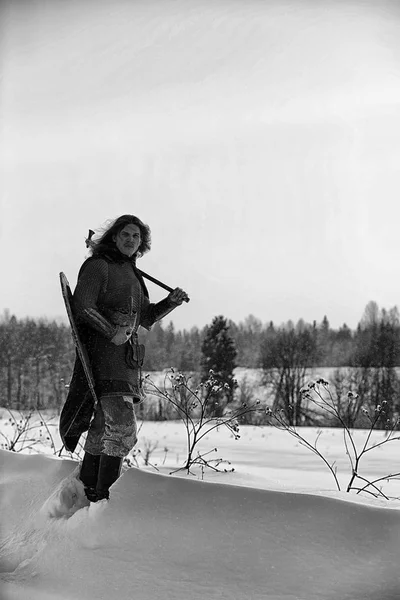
(319, 394)
(192, 408)
(24, 432)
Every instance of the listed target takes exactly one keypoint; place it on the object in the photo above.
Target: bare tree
(286, 356)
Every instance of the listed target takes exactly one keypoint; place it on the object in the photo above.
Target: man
(110, 303)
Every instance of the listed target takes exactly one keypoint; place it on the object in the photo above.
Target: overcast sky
(260, 140)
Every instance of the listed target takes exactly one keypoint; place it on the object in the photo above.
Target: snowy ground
(275, 528)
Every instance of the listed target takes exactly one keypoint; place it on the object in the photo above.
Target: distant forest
(37, 356)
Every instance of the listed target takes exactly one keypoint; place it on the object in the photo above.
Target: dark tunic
(109, 293)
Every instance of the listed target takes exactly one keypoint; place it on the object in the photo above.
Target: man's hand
(123, 334)
(177, 296)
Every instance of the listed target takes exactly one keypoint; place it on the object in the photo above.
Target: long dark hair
(106, 245)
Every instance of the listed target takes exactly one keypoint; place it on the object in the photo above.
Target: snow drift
(171, 537)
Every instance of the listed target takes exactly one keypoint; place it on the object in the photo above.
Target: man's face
(128, 239)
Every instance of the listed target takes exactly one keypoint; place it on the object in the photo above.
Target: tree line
(36, 357)
(36, 361)
(376, 340)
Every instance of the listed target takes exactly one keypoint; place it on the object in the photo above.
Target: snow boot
(109, 471)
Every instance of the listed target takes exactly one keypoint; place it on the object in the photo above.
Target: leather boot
(89, 474)
(109, 471)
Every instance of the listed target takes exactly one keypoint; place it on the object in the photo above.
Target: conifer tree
(218, 353)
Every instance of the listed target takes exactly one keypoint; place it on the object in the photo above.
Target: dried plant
(192, 407)
(318, 393)
(26, 431)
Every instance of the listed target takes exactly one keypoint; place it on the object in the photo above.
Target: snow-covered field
(274, 528)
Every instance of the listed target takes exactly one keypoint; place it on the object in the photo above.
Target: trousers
(113, 429)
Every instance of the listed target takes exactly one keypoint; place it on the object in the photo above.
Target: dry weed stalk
(192, 407)
(318, 393)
